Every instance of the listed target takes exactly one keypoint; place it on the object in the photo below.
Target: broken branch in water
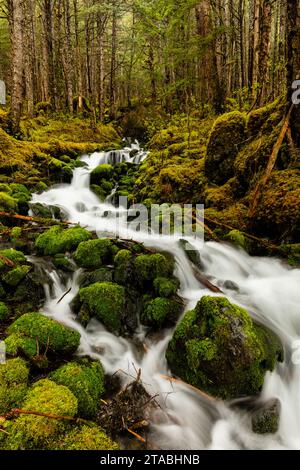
(204, 281)
(195, 389)
(64, 295)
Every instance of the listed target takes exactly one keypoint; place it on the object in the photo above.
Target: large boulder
(225, 140)
(219, 349)
(57, 240)
(13, 384)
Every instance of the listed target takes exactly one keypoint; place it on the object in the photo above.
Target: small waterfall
(266, 287)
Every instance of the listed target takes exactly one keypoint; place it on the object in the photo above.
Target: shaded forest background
(101, 56)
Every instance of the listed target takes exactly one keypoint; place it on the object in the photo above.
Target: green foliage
(237, 238)
(85, 379)
(46, 332)
(86, 438)
(13, 384)
(36, 432)
(123, 267)
(106, 301)
(15, 256)
(217, 348)
(92, 254)
(4, 312)
(57, 240)
(149, 267)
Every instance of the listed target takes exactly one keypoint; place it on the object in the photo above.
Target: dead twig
(63, 296)
(195, 389)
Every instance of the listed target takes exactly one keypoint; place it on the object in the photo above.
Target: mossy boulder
(57, 240)
(225, 140)
(101, 172)
(124, 267)
(36, 432)
(86, 438)
(94, 253)
(160, 312)
(149, 267)
(15, 276)
(165, 287)
(16, 257)
(104, 274)
(34, 333)
(106, 301)
(219, 349)
(13, 384)
(8, 203)
(85, 379)
(266, 419)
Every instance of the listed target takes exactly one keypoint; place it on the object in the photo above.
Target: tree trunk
(113, 64)
(16, 25)
(264, 48)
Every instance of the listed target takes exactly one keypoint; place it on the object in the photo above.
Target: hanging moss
(13, 384)
(94, 253)
(85, 379)
(56, 240)
(106, 301)
(217, 348)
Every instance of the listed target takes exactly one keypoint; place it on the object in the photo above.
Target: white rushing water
(268, 288)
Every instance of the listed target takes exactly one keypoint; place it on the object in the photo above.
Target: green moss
(62, 262)
(7, 203)
(94, 253)
(99, 275)
(237, 238)
(86, 438)
(106, 301)
(149, 267)
(16, 233)
(36, 432)
(4, 312)
(160, 311)
(4, 188)
(226, 137)
(19, 344)
(85, 379)
(40, 187)
(13, 384)
(123, 267)
(165, 287)
(15, 276)
(15, 256)
(48, 333)
(104, 171)
(217, 348)
(257, 119)
(56, 240)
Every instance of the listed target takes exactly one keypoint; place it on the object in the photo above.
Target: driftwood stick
(38, 220)
(195, 389)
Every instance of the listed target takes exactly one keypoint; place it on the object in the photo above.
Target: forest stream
(267, 287)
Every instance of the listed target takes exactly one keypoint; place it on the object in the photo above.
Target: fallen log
(37, 220)
(15, 412)
(205, 282)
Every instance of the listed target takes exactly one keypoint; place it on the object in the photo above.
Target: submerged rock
(266, 419)
(219, 349)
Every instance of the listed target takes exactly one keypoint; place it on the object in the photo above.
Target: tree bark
(16, 26)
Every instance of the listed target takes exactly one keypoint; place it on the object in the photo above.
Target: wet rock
(49, 212)
(219, 349)
(266, 419)
(231, 286)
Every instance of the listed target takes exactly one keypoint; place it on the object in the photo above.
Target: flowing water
(268, 288)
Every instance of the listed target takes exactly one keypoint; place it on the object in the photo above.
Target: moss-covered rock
(34, 333)
(85, 379)
(4, 312)
(8, 203)
(265, 420)
(36, 432)
(86, 438)
(124, 267)
(17, 257)
(165, 287)
(219, 349)
(101, 172)
(94, 253)
(225, 140)
(237, 238)
(15, 276)
(149, 267)
(161, 311)
(98, 275)
(13, 384)
(57, 240)
(106, 301)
